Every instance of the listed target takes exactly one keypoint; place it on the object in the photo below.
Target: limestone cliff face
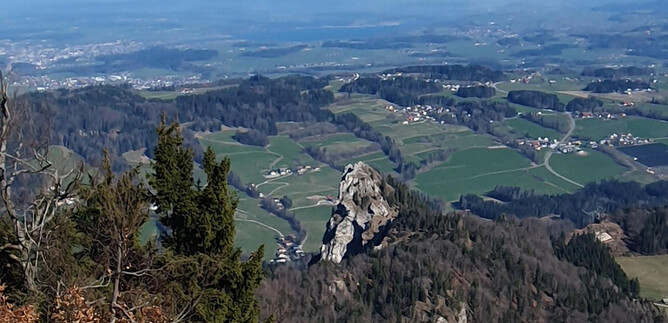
(360, 219)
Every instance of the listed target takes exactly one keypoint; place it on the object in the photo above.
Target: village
(288, 250)
(299, 170)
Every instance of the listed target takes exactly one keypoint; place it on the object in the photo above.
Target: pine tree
(208, 278)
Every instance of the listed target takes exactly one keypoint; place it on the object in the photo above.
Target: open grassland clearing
(478, 171)
(542, 174)
(599, 128)
(378, 160)
(331, 139)
(592, 167)
(171, 95)
(451, 190)
(532, 129)
(314, 220)
(652, 273)
(559, 83)
(366, 107)
(637, 96)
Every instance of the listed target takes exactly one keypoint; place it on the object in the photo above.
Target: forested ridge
(91, 119)
(72, 253)
(443, 265)
(581, 207)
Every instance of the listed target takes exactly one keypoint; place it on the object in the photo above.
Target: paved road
(551, 151)
(499, 90)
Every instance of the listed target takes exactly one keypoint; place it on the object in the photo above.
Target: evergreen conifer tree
(208, 276)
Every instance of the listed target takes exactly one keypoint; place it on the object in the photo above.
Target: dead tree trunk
(21, 156)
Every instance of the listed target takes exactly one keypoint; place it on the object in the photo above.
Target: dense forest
(404, 91)
(584, 105)
(536, 99)
(435, 266)
(581, 207)
(617, 73)
(611, 86)
(91, 119)
(480, 91)
(469, 73)
(645, 227)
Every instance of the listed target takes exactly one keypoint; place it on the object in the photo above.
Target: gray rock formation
(361, 218)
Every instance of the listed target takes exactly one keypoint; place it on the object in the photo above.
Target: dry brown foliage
(9, 313)
(72, 306)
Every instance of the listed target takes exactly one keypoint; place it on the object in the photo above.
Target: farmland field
(478, 171)
(649, 155)
(584, 169)
(533, 130)
(597, 129)
(651, 271)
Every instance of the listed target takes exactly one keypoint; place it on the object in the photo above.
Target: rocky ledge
(361, 218)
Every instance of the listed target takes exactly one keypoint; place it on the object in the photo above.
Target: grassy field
(478, 171)
(171, 95)
(314, 220)
(584, 169)
(651, 271)
(597, 129)
(378, 160)
(531, 129)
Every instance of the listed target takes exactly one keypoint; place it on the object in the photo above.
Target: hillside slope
(458, 267)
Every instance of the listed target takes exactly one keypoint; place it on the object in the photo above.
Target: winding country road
(548, 155)
(260, 224)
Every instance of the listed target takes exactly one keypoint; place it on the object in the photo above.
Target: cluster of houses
(528, 78)
(623, 140)
(274, 173)
(288, 250)
(601, 115)
(540, 143)
(564, 148)
(418, 113)
(300, 170)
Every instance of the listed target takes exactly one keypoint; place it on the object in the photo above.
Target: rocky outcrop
(361, 218)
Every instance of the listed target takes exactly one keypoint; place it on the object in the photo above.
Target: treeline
(92, 119)
(258, 104)
(280, 209)
(409, 170)
(585, 250)
(581, 207)
(645, 227)
(469, 73)
(404, 91)
(612, 86)
(584, 105)
(617, 73)
(542, 100)
(334, 159)
(536, 99)
(361, 129)
(559, 124)
(478, 115)
(479, 91)
(251, 137)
